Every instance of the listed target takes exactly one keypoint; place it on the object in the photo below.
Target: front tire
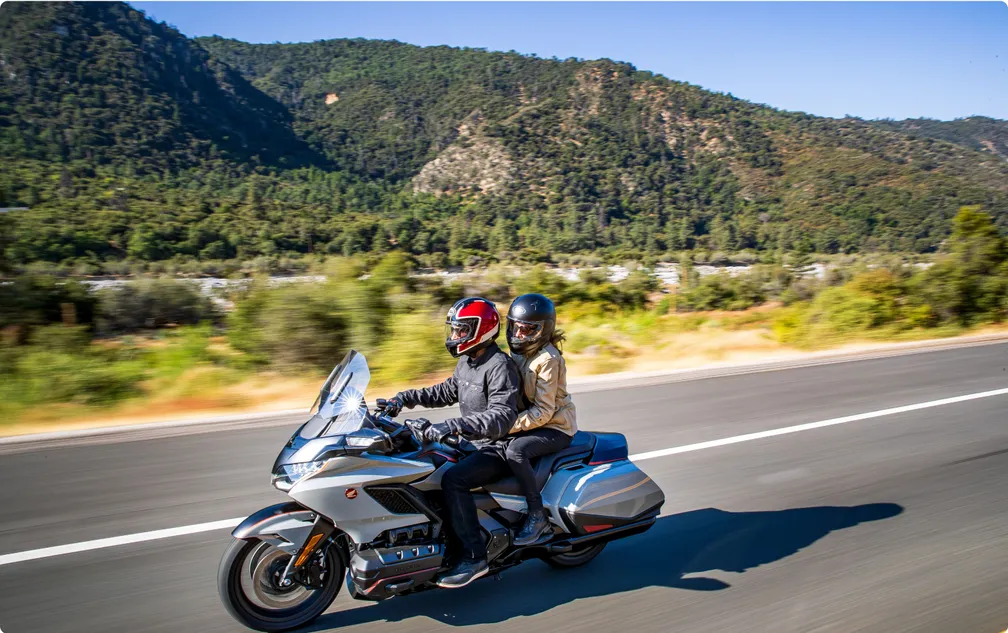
(245, 581)
(575, 558)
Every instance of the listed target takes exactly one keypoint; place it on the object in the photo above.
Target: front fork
(317, 541)
(284, 526)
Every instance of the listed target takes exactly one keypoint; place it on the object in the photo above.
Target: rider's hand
(437, 432)
(393, 405)
(417, 427)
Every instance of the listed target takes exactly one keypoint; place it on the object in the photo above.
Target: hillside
(977, 132)
(129, 141)
(96, 81)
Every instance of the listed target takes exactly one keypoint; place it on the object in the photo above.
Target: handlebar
(396, 429)
(380, 405)
(385, 423)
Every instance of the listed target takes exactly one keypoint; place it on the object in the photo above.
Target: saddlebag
(592, 498)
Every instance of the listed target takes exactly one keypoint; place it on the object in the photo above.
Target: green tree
(144, 243)
(968, 283)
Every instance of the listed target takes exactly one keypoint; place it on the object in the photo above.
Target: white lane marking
(154, 535)
(140, 537)
(748, 437)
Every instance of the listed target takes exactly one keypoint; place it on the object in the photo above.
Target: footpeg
(399, 587)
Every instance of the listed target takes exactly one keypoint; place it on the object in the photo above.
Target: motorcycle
(366, 507)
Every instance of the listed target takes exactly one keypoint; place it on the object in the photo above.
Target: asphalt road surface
(897, 522)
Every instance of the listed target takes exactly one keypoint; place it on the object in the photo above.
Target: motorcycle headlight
(293, 473)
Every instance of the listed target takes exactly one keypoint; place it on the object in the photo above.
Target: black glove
(437, 432)
(393, 405)
(417, 427)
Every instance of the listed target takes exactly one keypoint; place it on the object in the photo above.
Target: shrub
(869, 301)
(31, 301)
(150, 304)
(635, 289)
(844, 310)
(413, 349)
(292, 326)
(60, 365)
(721, 292)
(550, 284)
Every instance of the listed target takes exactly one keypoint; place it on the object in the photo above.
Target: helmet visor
(520, 333)
(458, 332)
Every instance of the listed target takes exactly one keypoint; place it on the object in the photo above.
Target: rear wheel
(248, 580)
(576, 557)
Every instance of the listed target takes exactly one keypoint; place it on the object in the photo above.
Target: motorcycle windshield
(340, 407)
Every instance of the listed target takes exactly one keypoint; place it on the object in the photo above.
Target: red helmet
(471, 325)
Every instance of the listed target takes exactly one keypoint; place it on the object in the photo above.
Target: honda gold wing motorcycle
(366, 510)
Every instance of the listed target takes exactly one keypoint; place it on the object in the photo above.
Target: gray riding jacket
(486, 390)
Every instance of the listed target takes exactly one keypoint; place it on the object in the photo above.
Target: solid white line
(140, 537)
(59, 550)
(748, 437)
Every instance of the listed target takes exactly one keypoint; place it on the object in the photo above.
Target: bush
(391, 274)
(550, 284)
(870, 301)
(150, 304)
(61, 339)
(293, 326)
(60, 365)
(844, 310)
(721, 292)
(31, 301)
(413, 349)
(635, 289)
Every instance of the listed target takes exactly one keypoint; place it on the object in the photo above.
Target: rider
(547, 424)
(485, 385)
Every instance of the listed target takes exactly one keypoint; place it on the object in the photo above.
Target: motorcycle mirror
(365, 440)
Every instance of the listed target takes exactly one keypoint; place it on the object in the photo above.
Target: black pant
(474, 470)
(525, 447)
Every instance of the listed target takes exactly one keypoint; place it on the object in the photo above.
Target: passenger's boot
(534, 527)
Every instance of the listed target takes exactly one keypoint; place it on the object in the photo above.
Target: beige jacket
(544, 379)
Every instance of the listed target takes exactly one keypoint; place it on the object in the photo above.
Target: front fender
(285, 525)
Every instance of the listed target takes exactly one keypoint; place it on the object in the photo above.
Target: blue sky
(874, 60)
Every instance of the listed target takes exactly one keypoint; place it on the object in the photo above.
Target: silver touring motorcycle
(367, 506)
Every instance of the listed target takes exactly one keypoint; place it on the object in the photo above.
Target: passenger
(546, 419)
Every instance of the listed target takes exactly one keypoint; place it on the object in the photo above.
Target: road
(891, 523)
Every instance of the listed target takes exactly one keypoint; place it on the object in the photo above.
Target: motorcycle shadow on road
(677, 546)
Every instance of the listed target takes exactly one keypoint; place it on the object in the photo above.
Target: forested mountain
(976, 132)
(98, 81)
(128, 140)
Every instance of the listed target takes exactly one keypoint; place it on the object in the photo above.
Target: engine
(396, 562)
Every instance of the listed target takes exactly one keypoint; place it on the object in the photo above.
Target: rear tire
(575, 558)
(233, 586)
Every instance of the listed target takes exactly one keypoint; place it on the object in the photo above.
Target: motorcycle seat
(581, 446)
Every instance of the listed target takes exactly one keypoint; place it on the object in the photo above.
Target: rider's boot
(534, 527)
(463, 573)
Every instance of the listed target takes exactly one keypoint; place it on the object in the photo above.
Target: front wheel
(248, 582)
(576, 557)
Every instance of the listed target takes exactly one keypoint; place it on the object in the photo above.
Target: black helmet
(530, 323)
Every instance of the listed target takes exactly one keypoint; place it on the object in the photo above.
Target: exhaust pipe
(568, 544)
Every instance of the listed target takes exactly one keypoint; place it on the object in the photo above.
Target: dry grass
(648, 342)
